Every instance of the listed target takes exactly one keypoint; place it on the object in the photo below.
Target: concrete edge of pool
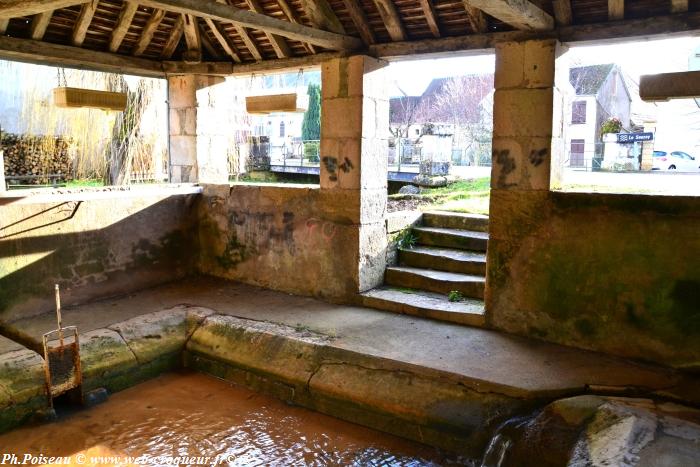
(292, 363)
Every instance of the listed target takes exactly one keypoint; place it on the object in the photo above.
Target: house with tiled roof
(600, 93)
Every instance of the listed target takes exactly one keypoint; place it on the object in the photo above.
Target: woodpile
(32, 157)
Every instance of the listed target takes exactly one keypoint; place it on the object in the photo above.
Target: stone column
(182, 109)
(527, 150)
(354, 148)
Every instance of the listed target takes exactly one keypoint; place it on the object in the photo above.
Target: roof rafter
(562, 12)
(39, 25)
(322, 15)
(228, 14)
(278, 43)
(430, 16)
(174, 39)
(148, 30)
(358, 16)
(392, 20)
(223, 39)
(521, 14)
(16, 8)
(122, 26)
(193, 39)
(616, 10)
(83, 23)
(477, 19)
(289, 13)
(4, 22)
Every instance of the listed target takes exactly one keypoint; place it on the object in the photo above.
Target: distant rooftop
(587, 80)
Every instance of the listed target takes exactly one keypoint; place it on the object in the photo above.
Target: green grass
(84, 183)
(470, 196)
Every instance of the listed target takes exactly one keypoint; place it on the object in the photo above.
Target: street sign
(634, 137)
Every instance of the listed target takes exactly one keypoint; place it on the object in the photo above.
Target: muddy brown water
(177, 418)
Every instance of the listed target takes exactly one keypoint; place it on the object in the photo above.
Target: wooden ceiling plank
(359, 18)
(245, 37)
(477, 19)
(562, 12)
(148, 30)
(39, 24)
(278, 43)
(322, 15)
(207, 44)
(45, 53)
(430, 16)
(17, 8)
(521, 14)
(392, 20)
(289, 13)
(228, 14)
(616, 10)
(126, 16)
(173, 40)
(223, 39)
(679, 6)
(83, 23)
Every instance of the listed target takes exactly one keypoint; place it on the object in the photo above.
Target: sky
(636, 58)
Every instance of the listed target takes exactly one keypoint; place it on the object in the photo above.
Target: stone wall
(296, 239)
(614, 273)
(93, 245)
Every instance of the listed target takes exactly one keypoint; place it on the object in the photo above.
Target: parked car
(675, 160)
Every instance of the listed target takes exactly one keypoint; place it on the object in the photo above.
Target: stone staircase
(449, 256)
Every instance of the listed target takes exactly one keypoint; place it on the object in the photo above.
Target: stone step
(425, 304)
(456, 220)
(444, 259)
(451, 238)
(435, 281)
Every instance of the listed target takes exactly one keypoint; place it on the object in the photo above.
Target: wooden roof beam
(359, 18)
(521, 14)
(39, 25)
(223, 39)
(616, 10)
(666, 86)
(278, 43)
(173, 40)
(228, 14)
(562, 12)
(148, 30)
(291, 16)
(430, 16)
(122, 26)
(4, 22)
(45, 53)
(83, 23)
(322, 16)
(392, 20)
(16, 8)
(477, 19)
(193, 39)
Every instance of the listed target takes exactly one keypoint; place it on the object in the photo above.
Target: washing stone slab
(22, 384)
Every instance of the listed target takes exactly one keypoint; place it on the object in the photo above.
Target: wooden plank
(249, 43)
(207, 44)
(359, 18)
(148, 30)
(173, 40)
(679, 6)
(228, 14)
(291, 16)
(83, 23)
(591, 34)
(122, 26)
(562, 12)
(39, 24)
(477, 20)
(4, 22)
(616, 10)
(392, 20)
(430, 16)
(45, 53)
(278, 43)
(193, 39)
(322, 15)
(16, 8)
(666, 86)
(521, 14)
(223, 39)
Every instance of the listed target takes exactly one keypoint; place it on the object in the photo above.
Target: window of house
(578, 112)
(281, 129)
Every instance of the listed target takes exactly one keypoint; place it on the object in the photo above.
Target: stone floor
(481, 359)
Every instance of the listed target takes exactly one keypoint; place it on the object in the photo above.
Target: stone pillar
(528, 147)
(182, 106)
(354, 149)
(648, 147)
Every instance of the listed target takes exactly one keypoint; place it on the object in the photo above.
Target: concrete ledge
(22, 384)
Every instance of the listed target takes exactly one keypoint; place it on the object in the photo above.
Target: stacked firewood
(30, 156)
